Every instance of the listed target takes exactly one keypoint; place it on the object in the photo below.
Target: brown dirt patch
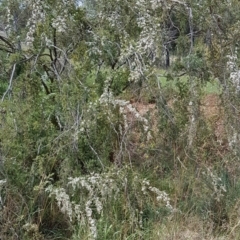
(210, 106)
(144, 108)
(213, 112)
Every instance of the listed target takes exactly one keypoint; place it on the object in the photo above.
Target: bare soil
(212, 111)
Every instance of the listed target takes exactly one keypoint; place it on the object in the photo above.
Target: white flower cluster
(2, 183)
(234, 72)
(149, 39)
(151, 32)
(95, 191)
(217, 184)
(9, 20)
(129, 108)
(107, 96)
(87, 120)
(156, 4)
(32, 229)
(59, 22)
(139, 53)
(91, 220)
(125, 107)
(98, 187)
(61, 15)
(95, 45)
(233, 139)
(135, 75)
(231, 63)
(160, 195)
(48, 42)
(38, 15)
(126, 53)
(133, 57)
(234, 81)
(63, 200)
(114, 19)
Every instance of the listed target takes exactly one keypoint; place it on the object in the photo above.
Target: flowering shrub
(232, 90)
(216, 184)
(85, 199)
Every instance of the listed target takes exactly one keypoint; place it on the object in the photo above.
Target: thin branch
(10, 82)
(2, 48)
(7, 42)
(55, 44)
(45, 87)
(94, 151)
(190, 21)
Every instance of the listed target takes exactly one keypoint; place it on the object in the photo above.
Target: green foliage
(95, 137)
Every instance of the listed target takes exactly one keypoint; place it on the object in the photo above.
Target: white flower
(63, 200)
(98, 205)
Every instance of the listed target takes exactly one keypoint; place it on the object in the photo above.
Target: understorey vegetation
(119, 119)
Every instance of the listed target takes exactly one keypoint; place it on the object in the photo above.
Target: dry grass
(189, 228)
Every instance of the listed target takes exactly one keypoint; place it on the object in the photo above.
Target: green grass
(167, 80)
(212, 87)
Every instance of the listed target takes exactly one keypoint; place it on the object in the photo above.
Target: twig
(181, 163)
(10, 82)
(95, 152)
